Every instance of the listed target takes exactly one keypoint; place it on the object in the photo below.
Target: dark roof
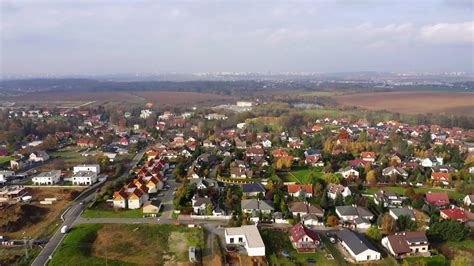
(356, 242)
(253, 187)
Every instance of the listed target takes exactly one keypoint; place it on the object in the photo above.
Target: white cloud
(449, 33)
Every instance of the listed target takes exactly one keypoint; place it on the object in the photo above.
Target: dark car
(311, 261)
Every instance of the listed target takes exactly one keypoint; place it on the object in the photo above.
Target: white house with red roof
(437, 199)
(457, 214)
(295, 190)
(368, 156)
(442, 177)
(123, 141)
(304, 239)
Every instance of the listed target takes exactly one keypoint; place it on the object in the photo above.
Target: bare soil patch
(412, 102)
(34, 219)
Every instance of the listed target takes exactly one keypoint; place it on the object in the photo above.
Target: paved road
(70, 218)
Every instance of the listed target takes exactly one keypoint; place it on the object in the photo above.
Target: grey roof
(254, 204)
(253, 187)
(347, 210)
(355, 241)
(360, 220)
(403, 211)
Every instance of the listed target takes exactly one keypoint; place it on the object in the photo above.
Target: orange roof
(368, 154)
(296, 188)
(440, 176)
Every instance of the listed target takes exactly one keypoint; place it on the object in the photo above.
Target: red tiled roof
(437, 199)
(299, 231)
(456, 214)
(296, 188)
(440, 176)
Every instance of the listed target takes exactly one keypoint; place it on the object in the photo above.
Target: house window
(241, 240)
(368, 257)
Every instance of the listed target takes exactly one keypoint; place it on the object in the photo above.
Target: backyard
(303, 175)
(277, 242)
(127, 244)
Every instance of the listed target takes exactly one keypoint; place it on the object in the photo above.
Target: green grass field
(469, 243)
(64, 154)
(5, 159)
(437, 260)
(400, 190)
(304, 175)
(127, 244)
(90, 213)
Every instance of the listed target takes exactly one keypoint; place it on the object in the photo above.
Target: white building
(247, 236)
(84, 178)
(47, 178)
(358, 246)
(87, 168)
(4, 175)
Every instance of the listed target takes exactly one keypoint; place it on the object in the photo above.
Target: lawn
(437, 260)
(127, 244)
(100, 209)
(401, 190)
(112, 213)
(469, 243)
(304, 175)
(277, 241)
(5, 159)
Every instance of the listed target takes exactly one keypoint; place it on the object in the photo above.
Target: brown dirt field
(412, 102)
(34, 219)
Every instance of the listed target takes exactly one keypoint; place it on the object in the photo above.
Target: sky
(107, 37)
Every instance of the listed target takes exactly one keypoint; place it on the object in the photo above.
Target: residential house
(87, 168)
(303, 209)
(394, 171)
(336, 189)
(200, 204)
(407, 244)
(85, 143)
(431, 161)
(456, 214)
(84, 178)
(398, 212)
(247, 236)
(313, 157)
(240, 172)
(349, 172)
(387, 198)
(252, 189)
(437, 199)
(5, 175)
(468, 200)
(358, 246)
(151, 208)
(441, 177)
(368, 156)
(256, 206)
(47, 178)
(350, 212)
(38, 156)
(296, 190)
(304, 239)
(130, 197)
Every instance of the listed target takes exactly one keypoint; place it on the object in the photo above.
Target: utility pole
(25, 243)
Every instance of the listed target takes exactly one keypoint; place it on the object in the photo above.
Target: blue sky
(103, 37)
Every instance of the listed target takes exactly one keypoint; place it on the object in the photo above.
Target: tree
(331, 178)
(374, 233)
(209, 209)
(404, 223)
(50, 143)
(388, 223)
(371, 178)
(447, 230)
(339, 201)
(332, 220)
(325, 200)
(410, 193)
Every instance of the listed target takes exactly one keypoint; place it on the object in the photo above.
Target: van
(64, 229)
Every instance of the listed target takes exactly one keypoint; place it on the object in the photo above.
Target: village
(289, 190)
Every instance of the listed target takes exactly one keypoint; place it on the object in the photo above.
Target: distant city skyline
(85, 37)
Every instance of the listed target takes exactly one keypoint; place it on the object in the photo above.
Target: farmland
(69, 100)
(412, 102)
(127, 244)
